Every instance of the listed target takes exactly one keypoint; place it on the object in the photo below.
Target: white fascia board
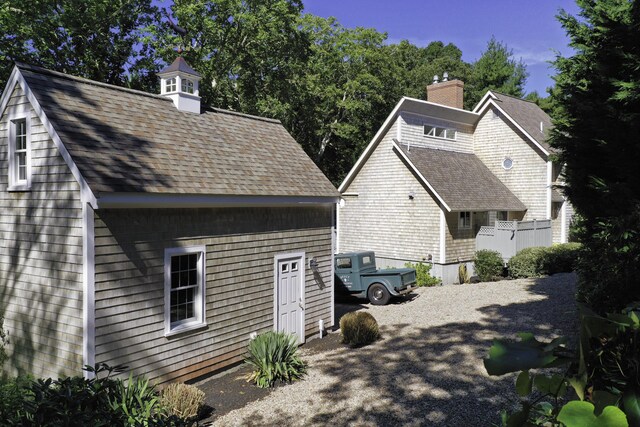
(86, 194)
(8, 89)
(488, 95)
(422, 178)
(372, 145)
(150, 200)
(520, 128)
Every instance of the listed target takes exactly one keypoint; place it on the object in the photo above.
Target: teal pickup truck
(357, 275)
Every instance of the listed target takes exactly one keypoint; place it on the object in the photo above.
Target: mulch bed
(230, 390)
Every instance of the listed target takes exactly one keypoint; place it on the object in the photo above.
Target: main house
(148, 231)
(435, 175)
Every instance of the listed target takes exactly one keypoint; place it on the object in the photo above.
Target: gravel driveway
(427, 369)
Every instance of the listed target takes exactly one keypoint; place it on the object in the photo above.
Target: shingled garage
(148, 231)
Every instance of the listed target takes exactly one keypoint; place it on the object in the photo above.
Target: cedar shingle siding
(240, 249)
(41, 258)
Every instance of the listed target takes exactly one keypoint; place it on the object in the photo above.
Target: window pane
(175, 263)
(193, 277)
(175, 280)
(428, 130)
(440, 132)
(184, 278)
(193, 261)
(450, 134)
(344, 263)
(22, 173)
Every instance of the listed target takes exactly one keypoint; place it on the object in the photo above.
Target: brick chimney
(446, 92)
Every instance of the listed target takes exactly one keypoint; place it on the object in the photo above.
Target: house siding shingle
(495, 139)
(240, 248)
(383, 186)
(41, 258)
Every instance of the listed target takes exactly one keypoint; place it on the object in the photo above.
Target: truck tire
(378, 294)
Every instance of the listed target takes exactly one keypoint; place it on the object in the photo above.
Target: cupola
(180, 82)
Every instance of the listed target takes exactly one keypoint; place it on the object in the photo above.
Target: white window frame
(187, 86)
(16, 184)
(434, 129)
(462, 222)
(199, 320)
(171, 84)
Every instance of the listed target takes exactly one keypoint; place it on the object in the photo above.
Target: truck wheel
(378, 294)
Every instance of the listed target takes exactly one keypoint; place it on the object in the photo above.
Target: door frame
(276, 275)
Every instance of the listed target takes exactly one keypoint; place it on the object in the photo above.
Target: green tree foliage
(96, 39)
(496, 69)
(249, 52)
(596, 130)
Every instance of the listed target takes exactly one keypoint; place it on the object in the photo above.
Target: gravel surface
(427, 369)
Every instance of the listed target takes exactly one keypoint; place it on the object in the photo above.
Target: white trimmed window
(187, 86)
(439, 132)
(464, 221)
(19, 154)
(171, 85)
(184, 289)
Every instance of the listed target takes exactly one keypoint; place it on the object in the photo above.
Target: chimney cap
(445, 76)
(435, 78)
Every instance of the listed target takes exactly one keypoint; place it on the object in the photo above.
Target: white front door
(289, 298)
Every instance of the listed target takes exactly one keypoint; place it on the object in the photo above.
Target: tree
(248, 51)
(417, 66)
(596, 132)
(96, 39)
(495, 70)
(546, 104)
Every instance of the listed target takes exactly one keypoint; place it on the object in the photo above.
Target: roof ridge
(245, 115)
(41, 70)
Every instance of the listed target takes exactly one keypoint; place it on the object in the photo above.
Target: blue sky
(528, 27)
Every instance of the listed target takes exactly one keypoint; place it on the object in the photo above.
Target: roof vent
(435, 78)
(180, 82)
(541, 127)
(445, 77)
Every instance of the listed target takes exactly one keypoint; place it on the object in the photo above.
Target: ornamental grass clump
(358, 329)
(273, 356)
(182, 400)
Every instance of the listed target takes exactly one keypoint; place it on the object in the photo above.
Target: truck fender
(386, 285)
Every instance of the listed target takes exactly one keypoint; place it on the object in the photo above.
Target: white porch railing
(509, 237)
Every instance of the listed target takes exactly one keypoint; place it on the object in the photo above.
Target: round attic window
(507, 163)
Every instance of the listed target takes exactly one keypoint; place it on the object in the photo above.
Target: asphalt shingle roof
(528, 115)
(462, 180)
(130, 141)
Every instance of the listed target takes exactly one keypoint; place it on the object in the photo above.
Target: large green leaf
(581, 414)
(528, 353)
(523, 384)
(631, 402)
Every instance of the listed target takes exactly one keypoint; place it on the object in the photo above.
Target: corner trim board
(88, 289)
(443, 236)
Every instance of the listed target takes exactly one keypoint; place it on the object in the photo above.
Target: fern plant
(273, 356)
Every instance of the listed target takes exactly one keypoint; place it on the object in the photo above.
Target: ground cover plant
(273, 356)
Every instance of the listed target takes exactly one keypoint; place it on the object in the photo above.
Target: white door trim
(283, 257)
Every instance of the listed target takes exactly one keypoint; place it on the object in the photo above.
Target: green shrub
(359, 328)
(182, 400)
(561, 258)
(99, 401)
(527, 263)
(423, 274)
(488, 265)
(273, 356)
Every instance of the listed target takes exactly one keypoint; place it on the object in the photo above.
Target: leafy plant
(182, 400)
(463, 274)
(423, 274)
(527, 263)
(136, 400)
(13, 391)
(488, 265)
(560, 258)
(359, 328)
(274, 357)
(604, 374)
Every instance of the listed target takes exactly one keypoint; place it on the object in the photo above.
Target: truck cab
(356, 274)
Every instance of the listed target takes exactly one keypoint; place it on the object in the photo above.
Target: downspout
(549, 184)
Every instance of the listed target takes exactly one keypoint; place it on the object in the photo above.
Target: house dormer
(180, 82)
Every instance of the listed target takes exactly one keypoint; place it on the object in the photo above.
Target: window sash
(171, 85)
(184, 289)
(440, 132)
(464, 220)
(19, 158)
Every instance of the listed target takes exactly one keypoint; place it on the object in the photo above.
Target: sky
(528, 27)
